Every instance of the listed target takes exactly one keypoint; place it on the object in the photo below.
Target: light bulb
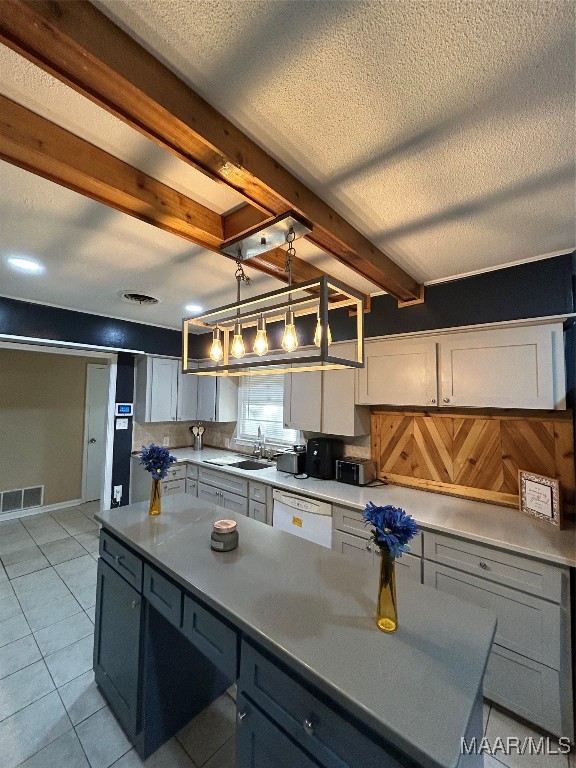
(216, 352)
(237, 348)
(289, 337)
(318, 333)
(261, 340)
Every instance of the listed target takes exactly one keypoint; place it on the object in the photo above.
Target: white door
(95, 430)
(187, 409)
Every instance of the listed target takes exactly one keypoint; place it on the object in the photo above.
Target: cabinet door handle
(484, 566)
(135, 603)
(432, 400)
(446, 400)
(118, 558)
(368, 547)
(240, 717)
(309, 727)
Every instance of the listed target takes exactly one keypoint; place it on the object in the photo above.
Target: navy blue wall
(123, 437)
(21, 318)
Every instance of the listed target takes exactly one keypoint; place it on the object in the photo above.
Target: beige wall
(42, 398)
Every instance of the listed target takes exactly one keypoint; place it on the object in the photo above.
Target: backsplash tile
(222, 435)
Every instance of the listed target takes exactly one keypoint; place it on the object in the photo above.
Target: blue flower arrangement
(156, 460)
(393, 528)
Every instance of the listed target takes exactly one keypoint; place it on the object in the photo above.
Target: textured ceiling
(444, 131)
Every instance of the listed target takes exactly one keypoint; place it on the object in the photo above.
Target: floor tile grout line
(3, 720)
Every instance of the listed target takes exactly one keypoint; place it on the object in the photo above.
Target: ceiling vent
(133, 297)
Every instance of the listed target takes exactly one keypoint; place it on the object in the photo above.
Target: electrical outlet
(117, 493)
(165, 441)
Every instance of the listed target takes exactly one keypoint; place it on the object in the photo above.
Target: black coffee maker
(321, 455)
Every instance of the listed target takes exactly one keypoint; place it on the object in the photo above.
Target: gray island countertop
(314, 610)
(491, 524)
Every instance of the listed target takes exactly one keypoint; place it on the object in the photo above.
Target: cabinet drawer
(530, 576)
(123, 560)
(322, 731)
(527, 625)
(234, 502)
(176, 472)
(408, 566)
(215, 639)
(258, 492)
(351, 521)
(257, 511)
(223, 481)
(191, 486)
(530, 689)
(192, 471)
(356, 547)
(169, 487)
(261, 744)
(165, 596)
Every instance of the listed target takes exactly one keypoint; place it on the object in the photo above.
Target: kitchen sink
(252, 464)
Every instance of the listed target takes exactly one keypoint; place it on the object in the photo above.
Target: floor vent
(21, 498)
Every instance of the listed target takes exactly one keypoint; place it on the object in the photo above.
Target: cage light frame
(278, 361)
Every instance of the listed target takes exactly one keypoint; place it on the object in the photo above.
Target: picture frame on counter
(540, 497)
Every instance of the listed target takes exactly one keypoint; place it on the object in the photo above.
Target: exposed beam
(40, 146)
(34, 143)
(241, 220)
(82, 47)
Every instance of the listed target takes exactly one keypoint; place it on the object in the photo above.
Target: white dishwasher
(307, 518)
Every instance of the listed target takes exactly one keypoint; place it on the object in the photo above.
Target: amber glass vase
(386, 609)
(155, 506)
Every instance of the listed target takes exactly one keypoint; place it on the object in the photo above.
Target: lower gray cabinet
(261, 744)
(117, 645)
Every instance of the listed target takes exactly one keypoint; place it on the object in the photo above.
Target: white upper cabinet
(164, 393)
(303, 400)
(156, 389)
(340, 414)
(187, 404)
(511, 367)
(217, 398)
(324, 401)
(399, 372)
(506, 367)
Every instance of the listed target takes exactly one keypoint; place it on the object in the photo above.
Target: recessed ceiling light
(194, 309)
(24, 264)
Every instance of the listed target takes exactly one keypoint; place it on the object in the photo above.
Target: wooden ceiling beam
(82, 47)
(34, 143)
(38, 145)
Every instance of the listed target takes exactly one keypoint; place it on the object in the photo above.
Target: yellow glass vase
(155, 505)
(386, 609)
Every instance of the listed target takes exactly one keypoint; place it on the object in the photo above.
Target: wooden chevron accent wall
(476, 456)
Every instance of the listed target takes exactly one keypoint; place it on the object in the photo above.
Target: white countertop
(492, 524)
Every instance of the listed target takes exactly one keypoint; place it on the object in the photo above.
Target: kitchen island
(318, 683)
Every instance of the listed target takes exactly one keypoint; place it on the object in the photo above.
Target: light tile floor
(51, 713)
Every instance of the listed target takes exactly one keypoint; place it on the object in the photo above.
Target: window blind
(261, 404)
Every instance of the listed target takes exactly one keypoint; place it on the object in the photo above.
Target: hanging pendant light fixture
(237, 349)
(318, 331)
(216, 351)
(261, 340)
(288, 338)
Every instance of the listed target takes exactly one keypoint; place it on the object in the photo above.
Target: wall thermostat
(124, 409)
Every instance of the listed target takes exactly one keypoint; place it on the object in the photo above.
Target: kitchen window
(261, 404)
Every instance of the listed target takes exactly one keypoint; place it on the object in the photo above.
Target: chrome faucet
(257, 450)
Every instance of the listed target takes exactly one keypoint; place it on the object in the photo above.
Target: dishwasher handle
(302, 503)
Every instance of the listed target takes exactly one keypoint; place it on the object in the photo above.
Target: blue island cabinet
(162, 653)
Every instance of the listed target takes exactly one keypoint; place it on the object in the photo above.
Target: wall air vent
(21, 499)
(133, 297)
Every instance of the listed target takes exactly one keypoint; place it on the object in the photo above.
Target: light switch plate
(121, 423)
